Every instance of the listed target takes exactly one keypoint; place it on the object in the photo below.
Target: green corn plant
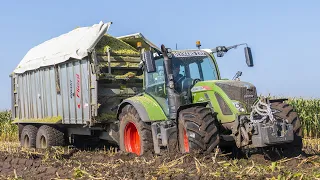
(8, 131)
(309, 114)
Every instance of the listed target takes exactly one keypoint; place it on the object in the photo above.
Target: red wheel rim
(185, 141)
(132, 139)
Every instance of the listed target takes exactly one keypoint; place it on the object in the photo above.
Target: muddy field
(70, 163)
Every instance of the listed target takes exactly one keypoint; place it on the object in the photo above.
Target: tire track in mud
(117, 165)
(24, 167)
(30, 168)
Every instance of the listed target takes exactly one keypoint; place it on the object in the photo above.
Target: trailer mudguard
(148, 108)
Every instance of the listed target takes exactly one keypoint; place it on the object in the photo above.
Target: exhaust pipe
(174, 101)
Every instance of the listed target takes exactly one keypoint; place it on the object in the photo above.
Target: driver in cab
(176, 73)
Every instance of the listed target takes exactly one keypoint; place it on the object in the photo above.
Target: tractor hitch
(260, 134)
(261, 128)
(163, 132)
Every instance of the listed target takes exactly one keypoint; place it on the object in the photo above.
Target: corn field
(309, 114)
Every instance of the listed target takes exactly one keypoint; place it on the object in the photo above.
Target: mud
(69, 163)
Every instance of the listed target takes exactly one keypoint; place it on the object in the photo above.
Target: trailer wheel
(28, 136)
(286, 112)
(135, 135)
(20, 128)
(197, 130)
(48, 136)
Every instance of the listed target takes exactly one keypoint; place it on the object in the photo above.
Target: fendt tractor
(131, 93)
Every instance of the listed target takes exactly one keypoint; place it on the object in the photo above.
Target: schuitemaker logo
(78, 88)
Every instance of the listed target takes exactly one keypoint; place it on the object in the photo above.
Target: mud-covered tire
(28, 136)
(48, 136)
(286, 112)
(197, 130)
(135, 135)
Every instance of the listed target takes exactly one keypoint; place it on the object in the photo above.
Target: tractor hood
(238, 90)
(243, 92)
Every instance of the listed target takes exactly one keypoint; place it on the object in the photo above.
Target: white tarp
(74, 44)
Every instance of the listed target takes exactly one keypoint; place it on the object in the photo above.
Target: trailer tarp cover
(74, 44)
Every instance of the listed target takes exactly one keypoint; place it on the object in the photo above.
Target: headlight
(239, 106)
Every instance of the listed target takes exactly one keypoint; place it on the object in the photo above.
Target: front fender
(148, 109)
(202, 104)
(277, 100)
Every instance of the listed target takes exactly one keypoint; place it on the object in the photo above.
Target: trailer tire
(286, 112)
(20, 128)
(28, 136)
(48, 136)
(197, 130)
(135, 135)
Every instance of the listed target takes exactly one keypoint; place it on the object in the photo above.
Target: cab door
(155, 86)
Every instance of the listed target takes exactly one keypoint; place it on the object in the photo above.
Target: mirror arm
(226, 49)
(235, 46)
(221, 50)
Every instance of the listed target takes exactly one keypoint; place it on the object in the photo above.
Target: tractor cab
(189, 67)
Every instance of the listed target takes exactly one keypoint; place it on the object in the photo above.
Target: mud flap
(162, 134)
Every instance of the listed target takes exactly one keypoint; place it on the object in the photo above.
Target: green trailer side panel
(147, 107)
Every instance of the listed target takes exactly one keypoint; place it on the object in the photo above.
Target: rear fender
(148, 109)
(141, 110)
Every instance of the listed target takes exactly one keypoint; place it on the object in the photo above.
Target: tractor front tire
(197, 130)
(135, 135)
(286, 112)
(48, 136)
(28, 136)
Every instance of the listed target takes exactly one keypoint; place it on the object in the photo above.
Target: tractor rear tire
(135, 135)
(197, 130)
(28, 136)
(48, 136)
(286, 112)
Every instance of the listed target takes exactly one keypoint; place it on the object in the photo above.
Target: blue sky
(284, 35)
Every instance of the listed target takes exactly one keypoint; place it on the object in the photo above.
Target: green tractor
(185, 105)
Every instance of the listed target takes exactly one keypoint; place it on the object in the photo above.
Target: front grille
(223, 105)
(240, 91)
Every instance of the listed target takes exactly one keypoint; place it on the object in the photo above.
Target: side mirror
(248, 54)
(149, 61)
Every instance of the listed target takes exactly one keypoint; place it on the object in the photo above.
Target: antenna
(176, 46)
